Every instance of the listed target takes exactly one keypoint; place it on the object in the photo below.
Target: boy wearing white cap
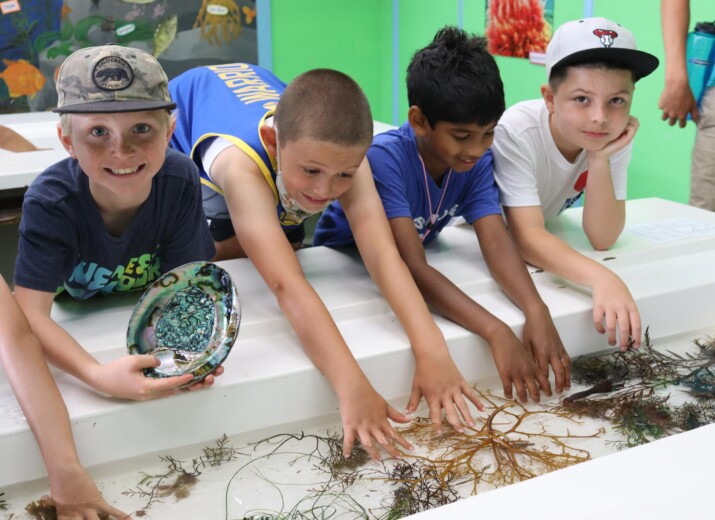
(577, 139)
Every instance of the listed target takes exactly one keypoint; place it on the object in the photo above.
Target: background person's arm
(676, 100)
(14, 142)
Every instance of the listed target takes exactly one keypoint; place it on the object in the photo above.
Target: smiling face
(316, 172)
(456, 146)
(120, 153)
(589, 109)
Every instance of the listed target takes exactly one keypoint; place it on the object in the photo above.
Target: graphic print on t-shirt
(578, 186)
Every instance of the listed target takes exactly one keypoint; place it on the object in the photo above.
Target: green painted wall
(356, 37)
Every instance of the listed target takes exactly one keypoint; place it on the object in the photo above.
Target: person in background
(677, 102)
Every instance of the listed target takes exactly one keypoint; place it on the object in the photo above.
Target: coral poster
(519, 28)
(37, 35)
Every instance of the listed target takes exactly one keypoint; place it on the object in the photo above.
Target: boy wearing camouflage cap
(115, 215)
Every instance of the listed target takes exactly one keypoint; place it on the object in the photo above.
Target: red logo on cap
(606, 36)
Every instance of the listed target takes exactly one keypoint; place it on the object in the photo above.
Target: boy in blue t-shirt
(438, 165)
(115, 215)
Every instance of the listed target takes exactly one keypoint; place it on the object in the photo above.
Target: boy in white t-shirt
(577, 139)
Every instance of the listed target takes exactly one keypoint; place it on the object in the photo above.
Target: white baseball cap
(597, 39)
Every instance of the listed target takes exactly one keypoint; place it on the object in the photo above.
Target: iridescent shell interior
(188, 319)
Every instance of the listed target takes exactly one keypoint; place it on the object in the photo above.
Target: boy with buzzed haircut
(271, 155)
(437, 166)
(115, 215)
(577, 139)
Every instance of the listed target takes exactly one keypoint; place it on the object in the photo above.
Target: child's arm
(121, 378)
(72, 488)
(612, 302)
(436, 377)
(508, 269)
(603, 215)
(514, 363)
(252, 206)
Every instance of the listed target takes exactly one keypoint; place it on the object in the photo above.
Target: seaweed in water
(178, 481)
(519, 450)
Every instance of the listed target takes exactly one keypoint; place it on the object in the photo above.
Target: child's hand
(542, 338)
(516, 366)
(443, 387)
(617, 144)
(614, 305)
(76, 497)
(364, 414)
(207, 381)
(125, 378)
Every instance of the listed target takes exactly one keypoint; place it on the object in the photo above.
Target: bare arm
(36, 391)
(252, 206)
(11, 140)
(604, 216)
(507, 267)
(121, 378)
(676, 100)
(437, 378)
(514, 363)
(613, 303)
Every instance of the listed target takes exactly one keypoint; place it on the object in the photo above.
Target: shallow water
(286, 475)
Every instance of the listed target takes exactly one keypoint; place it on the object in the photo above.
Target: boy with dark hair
(73, 492)
(577, 138)
(264, 173)
(437, 166)
(115, 215)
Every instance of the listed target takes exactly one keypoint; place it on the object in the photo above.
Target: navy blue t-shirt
(65, 244)
(400, 181)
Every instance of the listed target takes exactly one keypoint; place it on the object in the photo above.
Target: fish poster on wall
(37, 35)
(519, 28)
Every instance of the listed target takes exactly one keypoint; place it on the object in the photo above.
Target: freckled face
(454, 145)
(589, 109)
(120, 153)
(315, 172)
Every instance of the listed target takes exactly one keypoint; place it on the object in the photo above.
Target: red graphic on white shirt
(580, 183)
(606, 36)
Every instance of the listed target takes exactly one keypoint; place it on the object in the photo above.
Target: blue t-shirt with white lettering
(65, 244)
(400, 182)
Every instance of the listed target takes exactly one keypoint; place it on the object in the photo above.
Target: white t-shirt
(531, 171)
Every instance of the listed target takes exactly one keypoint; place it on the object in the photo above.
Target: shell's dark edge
(164, 318)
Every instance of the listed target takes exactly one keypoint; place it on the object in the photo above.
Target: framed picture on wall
(37, 35)
(519, 28)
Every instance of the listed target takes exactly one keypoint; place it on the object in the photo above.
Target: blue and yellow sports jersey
(230, 101)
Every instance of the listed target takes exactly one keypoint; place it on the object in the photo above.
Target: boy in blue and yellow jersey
(115, 215)
(267, 171)
(438, 165)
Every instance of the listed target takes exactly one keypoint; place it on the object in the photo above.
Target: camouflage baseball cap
(110, 79)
